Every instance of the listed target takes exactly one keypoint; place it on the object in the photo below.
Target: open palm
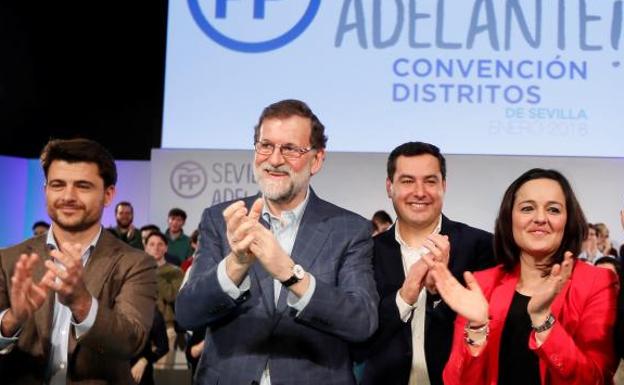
(469, 301)
(542, 298)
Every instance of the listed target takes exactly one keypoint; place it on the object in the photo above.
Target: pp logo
(188, 179)
(253, 25)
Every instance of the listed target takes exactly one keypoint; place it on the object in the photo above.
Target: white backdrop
(475, 184)
(517, 75)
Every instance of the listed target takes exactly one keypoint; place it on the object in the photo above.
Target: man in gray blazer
(283, 281)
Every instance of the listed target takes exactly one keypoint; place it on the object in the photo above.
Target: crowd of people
(286, 288)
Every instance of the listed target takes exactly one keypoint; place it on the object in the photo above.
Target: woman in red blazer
(541, 316)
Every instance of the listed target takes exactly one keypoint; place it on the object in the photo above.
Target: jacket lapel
(500, 298)
(391, 257)
(309, 241)
(265, 282)
(556, 309)
(102, 258)
(262, 278)
(43, 317)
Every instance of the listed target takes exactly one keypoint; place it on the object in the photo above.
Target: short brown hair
(80, 150)
(505, 248)
(292, 107)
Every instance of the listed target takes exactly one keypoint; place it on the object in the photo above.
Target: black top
(516, 363)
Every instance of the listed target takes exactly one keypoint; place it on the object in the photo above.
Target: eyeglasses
(289, 151)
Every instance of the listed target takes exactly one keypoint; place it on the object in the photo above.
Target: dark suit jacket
(389, 352)
(333, 245)
(122, 279)
(155, 348)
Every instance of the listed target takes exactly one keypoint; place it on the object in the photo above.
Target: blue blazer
(333, 245)
(388, 353)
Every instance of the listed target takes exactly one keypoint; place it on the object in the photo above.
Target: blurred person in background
(169, 279)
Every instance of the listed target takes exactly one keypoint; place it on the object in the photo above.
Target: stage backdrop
(196, 179)
(516, 77)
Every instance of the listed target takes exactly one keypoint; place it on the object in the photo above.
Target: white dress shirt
(410, 255)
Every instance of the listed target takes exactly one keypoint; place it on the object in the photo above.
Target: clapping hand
(26, 295)
(270, 254)
(469, 302)
(543, 297)
(66, 279)
(414, 282)
(239, 231)
(439, 250)
(239, 225)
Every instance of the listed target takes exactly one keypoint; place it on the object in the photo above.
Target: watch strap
(550, 321)
(290, 281)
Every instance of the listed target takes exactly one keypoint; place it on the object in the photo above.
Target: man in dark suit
(76, 303)
(415, 332)
(283, 282)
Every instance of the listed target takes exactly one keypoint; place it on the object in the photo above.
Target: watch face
(298, 272)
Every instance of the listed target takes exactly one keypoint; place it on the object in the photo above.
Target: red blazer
(579, 348)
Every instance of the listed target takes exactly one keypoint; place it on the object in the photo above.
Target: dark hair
(381, 216)
(292, 107)
(80, 150)
(608, 259)
(124, 203)
(415, 149)
(150, 227)
(157, 234)
(40, 224)
(195, 236)
(505, 248)
(177, 212)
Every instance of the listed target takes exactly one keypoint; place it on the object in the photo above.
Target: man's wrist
(407, 296)
(285, 270)
(235, 270)
(10, 325)
(80, 309)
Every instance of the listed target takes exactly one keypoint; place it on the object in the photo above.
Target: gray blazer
(334, 245)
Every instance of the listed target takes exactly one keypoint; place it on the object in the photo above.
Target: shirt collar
(52, 245)
(288, 217)
(397, 233)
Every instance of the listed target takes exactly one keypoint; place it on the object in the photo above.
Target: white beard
(284, 190)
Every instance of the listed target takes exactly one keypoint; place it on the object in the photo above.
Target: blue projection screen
(472, 76)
